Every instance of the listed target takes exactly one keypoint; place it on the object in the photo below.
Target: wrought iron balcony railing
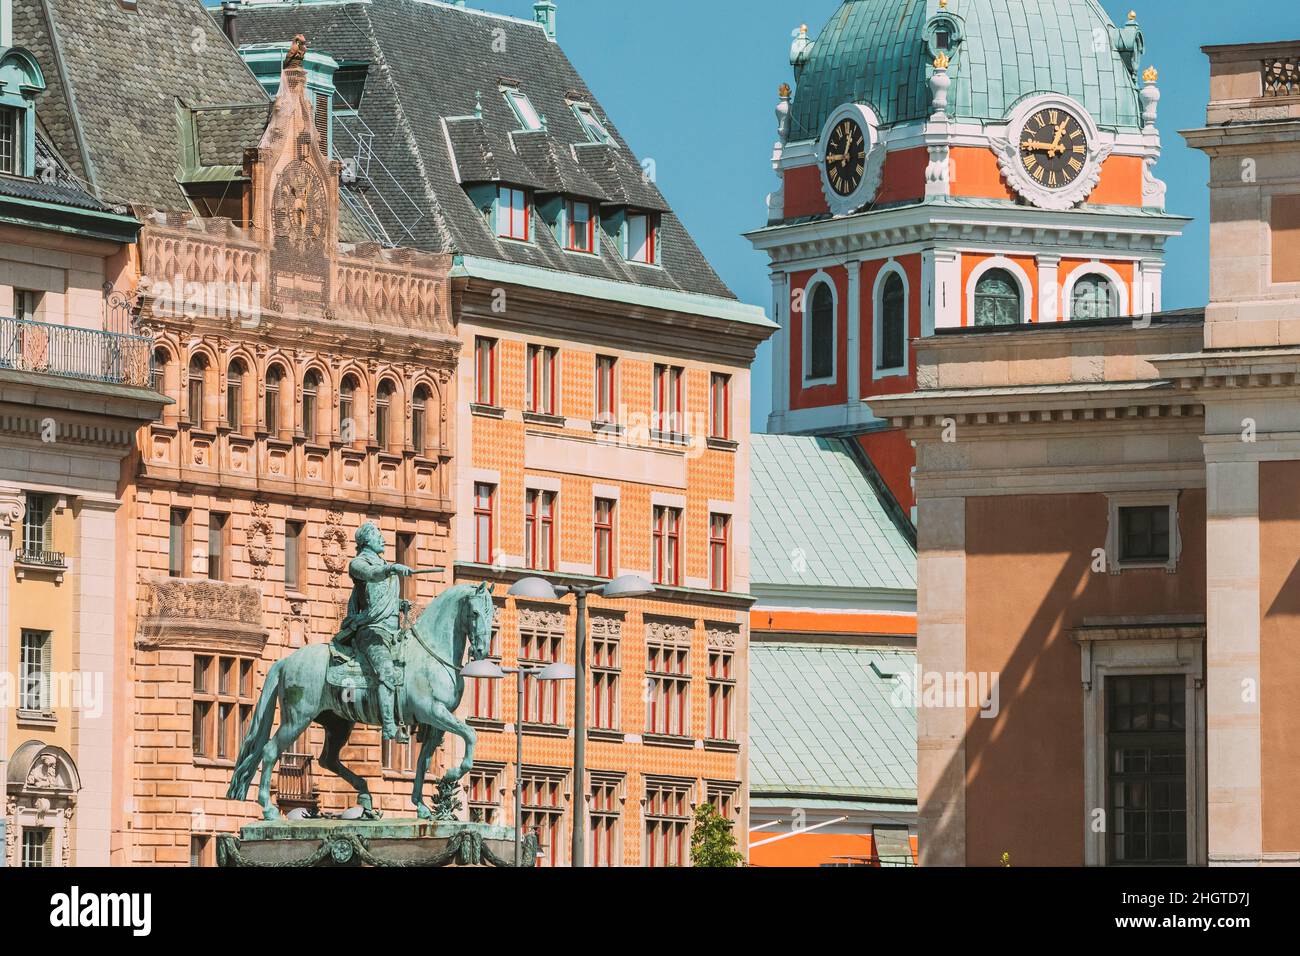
(72, 352)
(40, 558)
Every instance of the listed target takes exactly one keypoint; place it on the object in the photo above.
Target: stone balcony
(1254, 82)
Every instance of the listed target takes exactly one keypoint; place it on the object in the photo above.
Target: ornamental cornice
(982, 407)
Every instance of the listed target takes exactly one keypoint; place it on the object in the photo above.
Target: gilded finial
(1132, 16)
(943, 4)
(803, 29)
(941, 61)
(1150, 75)
(784, 91)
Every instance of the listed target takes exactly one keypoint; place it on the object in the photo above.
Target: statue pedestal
(398, 843)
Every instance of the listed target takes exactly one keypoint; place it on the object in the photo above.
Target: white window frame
(806, 323)
(1094, 267)
(530, 120)
(596, 129)
(1141, 499)
(892, 267)
(653, 238)
(1019, 274)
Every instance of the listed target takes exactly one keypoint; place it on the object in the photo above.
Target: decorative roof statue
(297, 53)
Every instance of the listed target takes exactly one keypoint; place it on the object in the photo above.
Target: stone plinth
(397, 843)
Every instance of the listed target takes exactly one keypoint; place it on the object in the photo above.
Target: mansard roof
(434, 68)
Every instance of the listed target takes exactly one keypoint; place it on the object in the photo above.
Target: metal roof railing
(70, 352)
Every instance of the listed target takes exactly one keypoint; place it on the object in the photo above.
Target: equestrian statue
(376, 673)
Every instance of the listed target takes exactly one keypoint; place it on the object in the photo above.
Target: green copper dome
(880, 52)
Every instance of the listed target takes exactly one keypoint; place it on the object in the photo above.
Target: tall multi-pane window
(603, 546)
(398, 757)
(581, 222)
(606, 388)
(383, 412)
(668, 398)
(35, 661)
(12, 141)
(606, 634)
(27, 304)
(407, 554)
(38, 525)
(543, 813)
(1146, 747)
(513, 214)
(218, 545)
(606, 804)
(485, 371)
(294, 555)
(893, 323)
(668, 682)
(483, 694)
(484, 522)
(347, 409)
(223, 705)
(667, 822)
(720, 405)
(722, 692)
(274, 379)
(820, 339)
(543, 699)
(235, 394)
(539, 530)
(720, 552)
(666, 542)
(420, 419)
(194, 389)
(36, 847)
(483, 793)
(178, 543)
(158, 375)
(311, 383)
(540, 388)
(723, 798)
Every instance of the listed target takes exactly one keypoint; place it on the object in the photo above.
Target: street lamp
(625, 586)
(490, 670)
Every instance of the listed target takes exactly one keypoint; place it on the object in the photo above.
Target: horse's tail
(259, 732)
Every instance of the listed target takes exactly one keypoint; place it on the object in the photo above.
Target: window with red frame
(606, 799)
(668, 398)
(540, 392)
(720, 552)
(485, 701)
(667, 546)
(485, 371)
(643, 238)
(720, 405)
(539, 530)
(484, 523)
(606, 635)
(667, 822)
(722, 693)
(543, 699)
(483, 792)
(668, 693)
(606, 368)
(543, 813)
(604, 543)
(581, 221)
(513, 213)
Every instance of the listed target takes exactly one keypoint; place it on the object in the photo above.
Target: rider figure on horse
(373, 622)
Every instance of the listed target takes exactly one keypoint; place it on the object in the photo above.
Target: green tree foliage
(712, 842)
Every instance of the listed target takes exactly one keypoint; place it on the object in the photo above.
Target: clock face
(299, 207)
(1053, 148)
(846, 157)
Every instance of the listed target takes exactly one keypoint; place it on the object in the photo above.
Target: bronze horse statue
(433, 651)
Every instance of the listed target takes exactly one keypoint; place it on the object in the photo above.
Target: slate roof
(823, 722)
(874, 51)
(225, 132)
(430, 65)
(816, 522)
(114, 75)
(53, 183)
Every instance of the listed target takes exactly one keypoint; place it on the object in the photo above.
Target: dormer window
(591, 124)
(580, 226)
(512, 213)
(643, 238)
(349, 87)
(529, 118)
(12, 140)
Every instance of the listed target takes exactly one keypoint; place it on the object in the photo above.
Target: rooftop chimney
(544, 13)
(230, 20)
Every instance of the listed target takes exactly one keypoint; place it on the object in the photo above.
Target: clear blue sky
(692, 84)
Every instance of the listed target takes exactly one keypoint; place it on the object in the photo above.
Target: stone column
(1152, 275)
(1233, 757)
(93, 744)
(943, 311)
(941, 648)
(1049, 288)
(855, 332)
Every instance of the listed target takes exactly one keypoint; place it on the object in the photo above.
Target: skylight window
(523, 108)
(595, 129)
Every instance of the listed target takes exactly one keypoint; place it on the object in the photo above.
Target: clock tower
(942, 169)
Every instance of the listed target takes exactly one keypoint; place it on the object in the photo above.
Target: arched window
(383, 413)
(347, 411)
(274, 379)
(997, 299)
(235, 394)
(198, 372)
(310, 403)
(821, 333)
(158, 377)
(893, 323)
(419, 419)
(1094, 297)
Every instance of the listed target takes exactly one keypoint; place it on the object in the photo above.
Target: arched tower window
(893, 323)
(347, 409)
(195, 389)
(997, 299)
(274, 379)
(420, 419)
(310, 404)
(821, 333)
(1094, 297)
(384, 413)
(235, 394)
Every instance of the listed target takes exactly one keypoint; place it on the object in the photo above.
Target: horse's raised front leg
(432, 741)
(291, 728)
(337, 731)
(441, 717)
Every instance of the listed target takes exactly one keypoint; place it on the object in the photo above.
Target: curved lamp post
(491, 670)
(626, 586)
